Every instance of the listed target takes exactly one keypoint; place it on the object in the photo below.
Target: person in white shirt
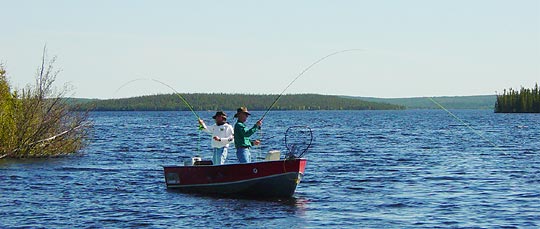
(222, 135)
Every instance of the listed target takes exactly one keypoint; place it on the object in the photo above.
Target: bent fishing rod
(176, 93)
(302, 73)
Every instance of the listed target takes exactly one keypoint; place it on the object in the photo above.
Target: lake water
(366, 169)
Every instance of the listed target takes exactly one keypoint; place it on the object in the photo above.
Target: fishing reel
(298, 139)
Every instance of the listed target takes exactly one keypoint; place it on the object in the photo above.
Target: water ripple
(366, 169)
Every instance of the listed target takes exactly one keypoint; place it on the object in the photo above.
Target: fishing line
(176, 93)
(296, 78)
(179, 96)
(464, 123)
(302, 73)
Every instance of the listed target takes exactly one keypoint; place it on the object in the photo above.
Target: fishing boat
(264, 179)
(273, 177)
(269, 178)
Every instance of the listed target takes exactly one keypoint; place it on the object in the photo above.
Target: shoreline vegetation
(523, 101)
(216, 101)
(36, 121)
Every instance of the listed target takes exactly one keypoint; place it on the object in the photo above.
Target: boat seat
(203, 163)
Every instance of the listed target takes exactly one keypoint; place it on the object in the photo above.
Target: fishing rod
(176, 93)
(298, 76)
(302, 73)
(179, 96)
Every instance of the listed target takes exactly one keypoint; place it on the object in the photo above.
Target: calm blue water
(366, 169)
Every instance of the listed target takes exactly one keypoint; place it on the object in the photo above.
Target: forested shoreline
(523, 101)
(221, 101)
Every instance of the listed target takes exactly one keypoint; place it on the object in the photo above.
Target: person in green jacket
(242, 134)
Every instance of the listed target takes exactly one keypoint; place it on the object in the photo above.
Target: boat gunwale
(233, 182)
(235, 164)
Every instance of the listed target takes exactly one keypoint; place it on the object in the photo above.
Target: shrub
(35, 121)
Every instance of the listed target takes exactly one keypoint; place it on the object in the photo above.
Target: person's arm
(254, 129)
(230, 133)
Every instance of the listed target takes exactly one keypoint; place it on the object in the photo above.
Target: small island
(523, 101)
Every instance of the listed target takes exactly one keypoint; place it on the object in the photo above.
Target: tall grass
(35, 121)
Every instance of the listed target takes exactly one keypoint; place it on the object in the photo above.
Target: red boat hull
(264, 179)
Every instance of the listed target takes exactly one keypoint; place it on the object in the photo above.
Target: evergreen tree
(523, 101)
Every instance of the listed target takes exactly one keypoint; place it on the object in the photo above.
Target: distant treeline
(219, 101)
(449, 102)
(523, 101)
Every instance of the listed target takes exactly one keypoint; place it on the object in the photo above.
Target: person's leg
(224, 153)
(243, 155)
(247, 155)
(216, 157)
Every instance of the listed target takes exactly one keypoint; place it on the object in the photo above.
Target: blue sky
(410, 48)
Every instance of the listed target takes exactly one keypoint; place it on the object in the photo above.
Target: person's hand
(259, 123)
(201, 124)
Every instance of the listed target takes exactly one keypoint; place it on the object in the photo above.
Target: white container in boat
(272, 155)
(196, 158)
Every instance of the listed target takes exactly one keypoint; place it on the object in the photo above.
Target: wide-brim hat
(241, 110)
(220, 113)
